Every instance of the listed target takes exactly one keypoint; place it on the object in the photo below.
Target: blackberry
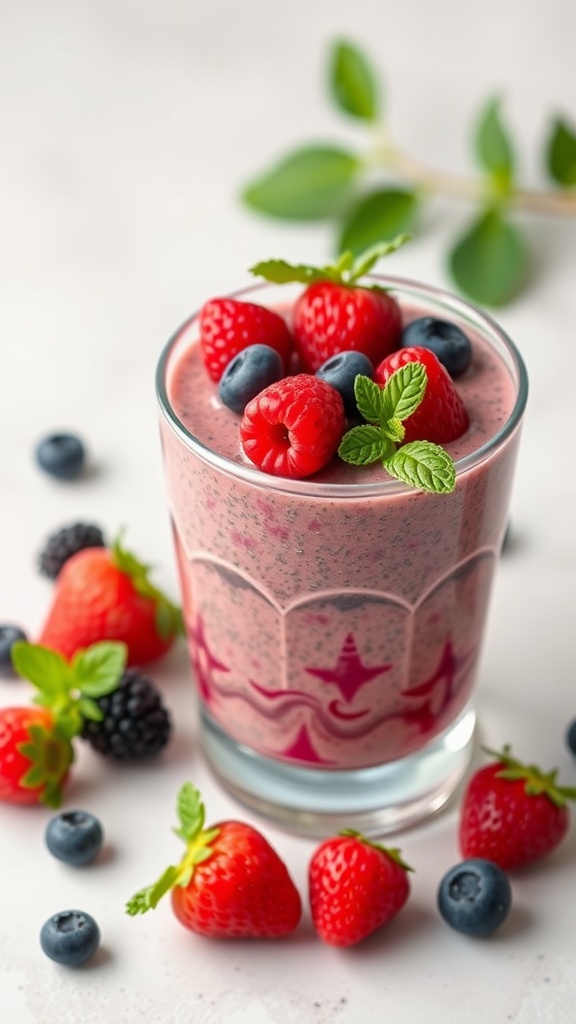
(135, 724)
(61, 545)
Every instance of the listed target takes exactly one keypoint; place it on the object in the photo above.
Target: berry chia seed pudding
(335, 618)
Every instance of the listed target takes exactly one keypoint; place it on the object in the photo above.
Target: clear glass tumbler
(335, 624)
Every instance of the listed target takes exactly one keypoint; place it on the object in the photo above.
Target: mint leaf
(310, 184)
(46, 669)
(489, 262)
(88, 708)
(423, 465)
(352, 82)
(98, 668)
(394, 429)
(369, 399)
(364, 445)
(561, 153)
(404, 391)
(493, 146)
(377, 216)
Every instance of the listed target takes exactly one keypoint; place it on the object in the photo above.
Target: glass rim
(308, 487)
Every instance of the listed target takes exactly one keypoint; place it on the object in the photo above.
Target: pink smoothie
(335, 622)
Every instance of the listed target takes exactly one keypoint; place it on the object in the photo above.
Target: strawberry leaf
(149, 897)
(191, 812)
(169, 619)
(98, 668)
(423, 465)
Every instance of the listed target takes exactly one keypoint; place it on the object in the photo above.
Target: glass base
(318, 803)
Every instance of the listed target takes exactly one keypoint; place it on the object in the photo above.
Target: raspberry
(441, 416)
(135, 724)
(293, 427)
(227, 326)
(61, 545)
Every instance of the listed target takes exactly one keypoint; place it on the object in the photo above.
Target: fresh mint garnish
(347, 270)
(421, 464)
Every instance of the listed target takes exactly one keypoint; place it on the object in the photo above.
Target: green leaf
(489, 262)
(404, 391)
(394, 429)
(190, 810)
(310, 184)
(281, 272)
(46, 669)
(352, 82)
(366, 260)
(98, 668)
(364, 445)
(493, 146)
(149, 898)
(88, 708)
(369, 399)
(561, 153)
(377, 216)
(423, 465)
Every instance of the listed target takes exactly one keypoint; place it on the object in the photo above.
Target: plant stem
(457, 186)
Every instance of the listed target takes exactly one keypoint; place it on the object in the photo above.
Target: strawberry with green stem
(230, 882)
(36, 750)
(336, 312)
(107, 594)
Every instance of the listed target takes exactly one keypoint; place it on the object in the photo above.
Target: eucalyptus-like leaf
(365, 444)
(353, 82)
(309, 184)
(561, 154)
(404, 390)
(489, 262)
(493, 146)
(423, 465)
(378, 216)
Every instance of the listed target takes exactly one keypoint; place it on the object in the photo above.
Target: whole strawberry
(106, 594)
(36, 750)
(355, 887)
(230, 883)
(228, 326)
(513, 814)
(335, 313)
(441, 416)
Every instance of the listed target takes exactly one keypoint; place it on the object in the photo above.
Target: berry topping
(70, 937)
(134, 723)
(248, 373)
(61, 455)
(293, 428)
(441, 416)
(61, 545)
(446, 340)
(74, 837)
(474, 897)
(513, 813)
(355, 886)
(9, 635)
(230, 882)
(341, 371)
(335, 313)
(227, 326)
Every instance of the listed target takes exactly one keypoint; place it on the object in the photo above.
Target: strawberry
(36, 749)
(336, 314)
(230, 883)
(227, 326)
(441, 416)
(106, 594)
(293, 427)
(35, 757)
(513, 813)
(355, 887)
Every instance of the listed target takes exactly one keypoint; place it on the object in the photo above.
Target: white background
(126, 131)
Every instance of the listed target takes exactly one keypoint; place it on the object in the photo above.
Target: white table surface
(126, 131)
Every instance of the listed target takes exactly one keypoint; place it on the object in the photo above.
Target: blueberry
(61, 455)
(571, 737)
(474, 897)
(8, 635)
(74, 837)
(247, 374)
(70, 937)
(446, 341)
(341, 371)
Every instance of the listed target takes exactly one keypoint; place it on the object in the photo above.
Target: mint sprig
(421, 464)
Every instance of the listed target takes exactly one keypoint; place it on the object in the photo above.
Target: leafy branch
(489, 261)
